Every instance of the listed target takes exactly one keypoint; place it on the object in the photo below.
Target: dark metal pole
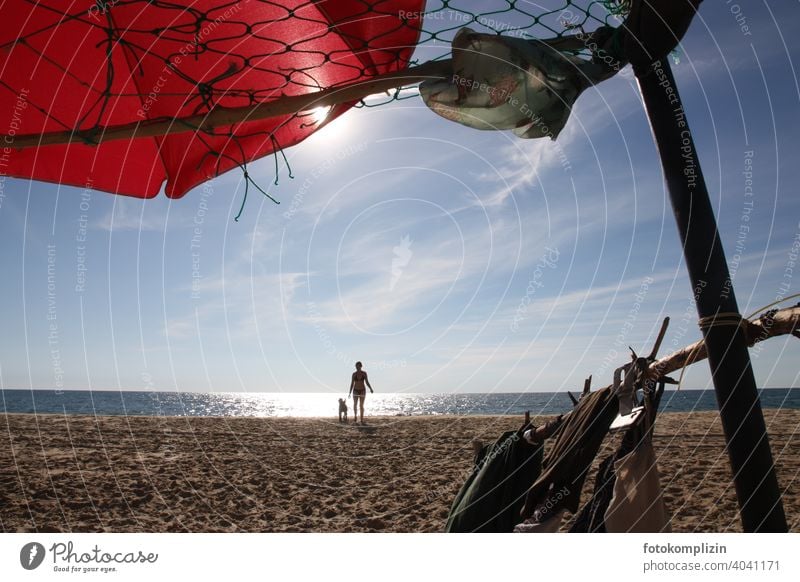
(732, 373)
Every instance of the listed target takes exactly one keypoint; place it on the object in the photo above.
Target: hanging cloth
(637, 505)
(500, 82)
(490, 499)
(576, 445)
(627, 493)
(591, 518)
(550, 525)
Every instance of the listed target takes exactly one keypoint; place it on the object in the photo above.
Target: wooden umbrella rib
(783, 322)
(224, 116)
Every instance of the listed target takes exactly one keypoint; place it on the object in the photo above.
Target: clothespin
(624, 389)
(635, 372)
(527, 424)
(659, 339)
(626, 392)
(527, 430)
(587, 386)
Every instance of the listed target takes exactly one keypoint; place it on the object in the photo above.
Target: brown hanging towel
(576, 445)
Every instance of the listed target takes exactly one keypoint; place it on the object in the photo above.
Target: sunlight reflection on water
(326, 404)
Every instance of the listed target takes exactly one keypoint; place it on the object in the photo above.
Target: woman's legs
(358, 403)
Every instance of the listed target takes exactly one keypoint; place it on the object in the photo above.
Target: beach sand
(398, 474)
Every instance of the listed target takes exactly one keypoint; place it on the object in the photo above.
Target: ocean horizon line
(325, 404)
(668, 388)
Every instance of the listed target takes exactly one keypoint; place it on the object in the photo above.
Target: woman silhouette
(357, 382)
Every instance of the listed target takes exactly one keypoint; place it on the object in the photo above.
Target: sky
(445, 258)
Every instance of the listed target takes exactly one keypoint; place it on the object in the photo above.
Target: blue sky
(445, 258)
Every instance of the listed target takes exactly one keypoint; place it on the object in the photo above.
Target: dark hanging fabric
(637, 504)
(591, 518)
(490, 499)
(576, 445)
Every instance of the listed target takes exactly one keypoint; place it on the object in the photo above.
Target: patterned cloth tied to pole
(528, 86)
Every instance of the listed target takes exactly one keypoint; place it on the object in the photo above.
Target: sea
(264, 404)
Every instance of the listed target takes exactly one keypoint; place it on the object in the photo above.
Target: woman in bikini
(359, 391)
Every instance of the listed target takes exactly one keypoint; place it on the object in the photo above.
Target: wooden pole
(282, 105)
(782, 322)
(224, 116)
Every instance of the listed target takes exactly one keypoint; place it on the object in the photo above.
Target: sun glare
(333, 130)
(319, 114)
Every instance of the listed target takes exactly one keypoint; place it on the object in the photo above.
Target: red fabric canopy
(85, 64)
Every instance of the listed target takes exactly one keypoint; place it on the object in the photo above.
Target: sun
(320, 114)
(329, 131)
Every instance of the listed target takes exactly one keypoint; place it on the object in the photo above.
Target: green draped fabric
(490, 499)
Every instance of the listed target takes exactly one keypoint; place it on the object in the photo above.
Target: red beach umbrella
(81, 68)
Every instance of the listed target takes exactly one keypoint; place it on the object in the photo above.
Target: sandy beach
(398, 474)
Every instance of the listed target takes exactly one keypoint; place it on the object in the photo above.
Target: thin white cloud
(132, 214)
(251, 305)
